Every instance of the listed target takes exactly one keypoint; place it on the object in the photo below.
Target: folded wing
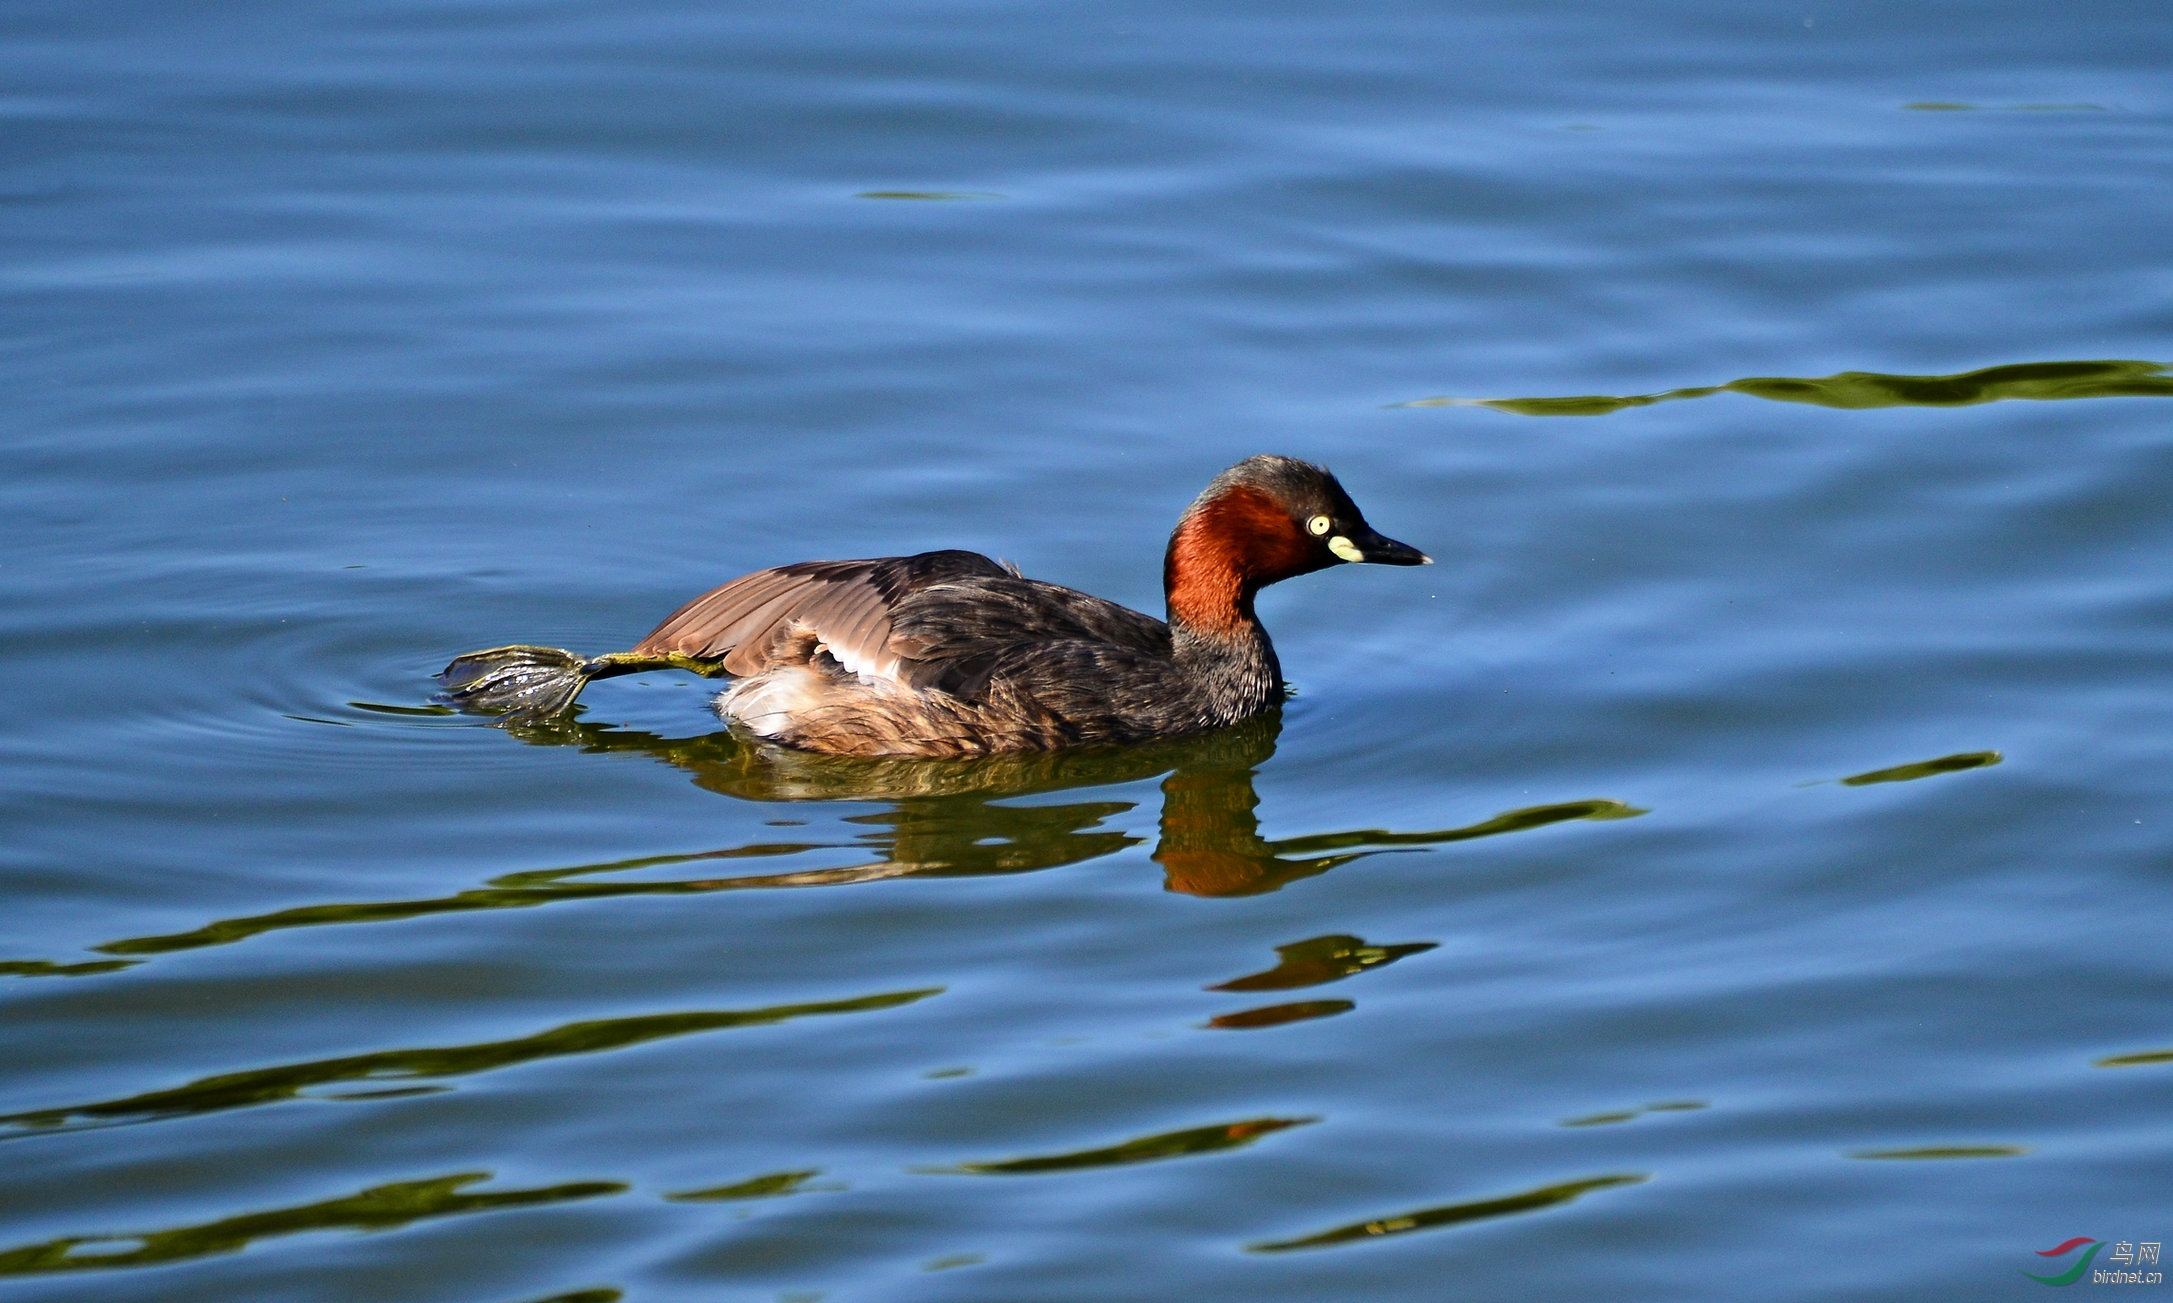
(941, 620)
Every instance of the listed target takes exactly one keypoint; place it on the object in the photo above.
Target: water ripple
(2042, 381)
(1320, 960)
(1146, 1149)
(1546, 1196)
(381, 1207)
(247, 1089)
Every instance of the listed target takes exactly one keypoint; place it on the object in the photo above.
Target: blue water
(342, 339)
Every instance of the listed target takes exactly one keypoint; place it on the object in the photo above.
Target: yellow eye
(1320, 525)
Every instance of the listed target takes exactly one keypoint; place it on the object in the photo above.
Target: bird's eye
(1320, 525)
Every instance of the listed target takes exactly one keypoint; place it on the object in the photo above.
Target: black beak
(1382, 551)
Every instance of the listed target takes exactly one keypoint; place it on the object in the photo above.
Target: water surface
(1735, 871)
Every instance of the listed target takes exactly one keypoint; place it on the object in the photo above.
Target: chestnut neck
(1225, 550)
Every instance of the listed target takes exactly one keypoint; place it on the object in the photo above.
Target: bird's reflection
(935, 818)
(943, 817)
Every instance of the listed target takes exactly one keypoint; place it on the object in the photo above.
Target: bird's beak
(1368, 546)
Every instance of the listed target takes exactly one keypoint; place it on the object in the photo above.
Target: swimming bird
(952, 654)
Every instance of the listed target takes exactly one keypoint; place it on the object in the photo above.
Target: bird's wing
(977, 614)
(957, 634)
(848, 605)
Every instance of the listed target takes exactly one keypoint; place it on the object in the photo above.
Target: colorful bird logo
(2074, 1273)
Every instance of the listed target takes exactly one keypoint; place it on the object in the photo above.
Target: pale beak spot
(1346, 549)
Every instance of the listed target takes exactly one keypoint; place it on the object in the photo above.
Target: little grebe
(950, 654)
